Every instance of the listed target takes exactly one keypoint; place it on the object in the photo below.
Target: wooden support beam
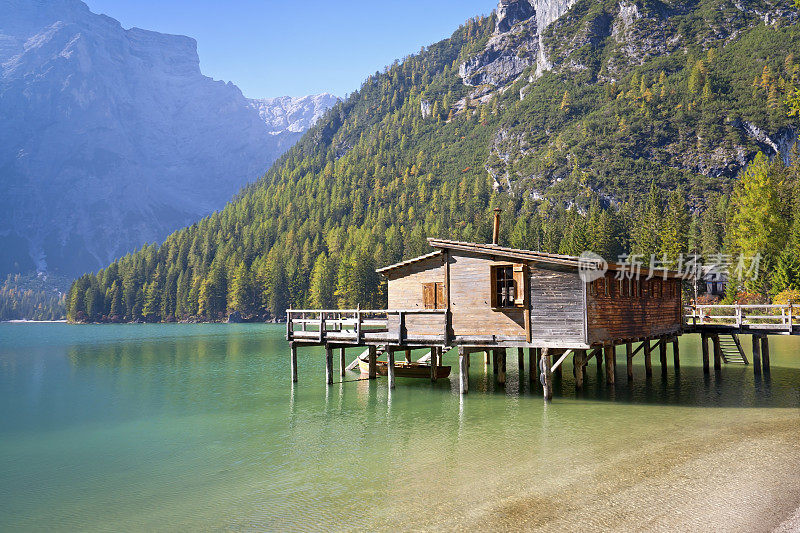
(533, 358)
(373, 362)
(545, 377)
(495, 362)
(408, 356)
(611, 360)
(662, 353)
(342, 361)
(501, 374)
(578, 362)
(521, 361)
(765, 353)
(486, 357)
(293, 350)
(676, 354)
(756, 355)
(648, 361)
(599, 357)
(717, 352)
(463, 372)
(629, 358)
(390, 368)
(704, 343)
(564, 355)
(434, 360)
(328, 364)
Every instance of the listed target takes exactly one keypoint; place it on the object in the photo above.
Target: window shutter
(520, 285)
(441, 302)
(429, 295)
(493, 286)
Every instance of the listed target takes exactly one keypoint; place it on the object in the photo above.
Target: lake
(181, 427)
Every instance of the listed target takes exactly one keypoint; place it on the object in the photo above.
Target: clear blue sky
(275, 48)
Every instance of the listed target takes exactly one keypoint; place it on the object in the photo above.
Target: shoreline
(25, 321)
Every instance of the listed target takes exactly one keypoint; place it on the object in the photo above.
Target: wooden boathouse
(490, 298)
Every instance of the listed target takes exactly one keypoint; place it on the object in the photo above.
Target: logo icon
(591, 266)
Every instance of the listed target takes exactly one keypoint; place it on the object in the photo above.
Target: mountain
(113, 137)
(292, 113)
(613, 126)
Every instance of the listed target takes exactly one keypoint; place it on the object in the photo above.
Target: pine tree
(323, 283)
(674, 228)
(756, 226)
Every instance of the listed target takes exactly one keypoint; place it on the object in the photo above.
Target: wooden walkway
(384, 332)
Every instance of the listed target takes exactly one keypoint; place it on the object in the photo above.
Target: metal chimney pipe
(496, 227)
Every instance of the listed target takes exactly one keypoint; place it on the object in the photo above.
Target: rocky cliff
(113, 137)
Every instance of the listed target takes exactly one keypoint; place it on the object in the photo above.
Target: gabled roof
(513, 253)
(544, 258)
(408, 262)
(495, 250)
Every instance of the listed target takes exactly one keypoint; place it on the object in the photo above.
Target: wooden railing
(770, 316)
(357, 325)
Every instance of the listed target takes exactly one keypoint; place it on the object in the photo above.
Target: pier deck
(386, 331)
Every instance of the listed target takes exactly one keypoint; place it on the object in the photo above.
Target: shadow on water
(688, 387)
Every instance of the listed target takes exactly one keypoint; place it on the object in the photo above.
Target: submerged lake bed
(142, 427)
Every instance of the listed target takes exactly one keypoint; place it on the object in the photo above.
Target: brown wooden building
(486, 297)
(498, 296)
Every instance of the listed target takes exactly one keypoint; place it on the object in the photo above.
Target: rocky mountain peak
(509, 12)
(516, 44)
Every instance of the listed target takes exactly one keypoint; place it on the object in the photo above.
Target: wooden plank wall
(613, 317)
(405, 292)
(470, 300)
(557, 305)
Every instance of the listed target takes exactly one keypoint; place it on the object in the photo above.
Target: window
(433, 296)
(509, 285)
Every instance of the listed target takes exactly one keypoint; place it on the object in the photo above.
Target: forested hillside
(631, 139)
(32, 297)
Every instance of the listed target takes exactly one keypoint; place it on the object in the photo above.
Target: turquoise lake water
(197, 427)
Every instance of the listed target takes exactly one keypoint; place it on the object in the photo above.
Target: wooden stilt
(463, 373)
(648, 360)
(408, 356)
(342, 361)
(501, 374)
(373, 362)
(578, 362)
(676, 354)
(293, 350)
(756, 355)
(390, 368)
(532, 362)
(629, 359)
(328, 364)
(469, 359)
(704, 343)
(434, 362)
(662, 354)
(717, 352)
(546, 378)
(495, 361)
(610, 355)
(521, 361)
(599, 358)
(559, 371)
(486, 357)
(765, 353)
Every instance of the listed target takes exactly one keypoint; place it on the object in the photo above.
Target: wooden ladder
(731, 348)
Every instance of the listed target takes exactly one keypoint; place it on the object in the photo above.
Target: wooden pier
(488, 299)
